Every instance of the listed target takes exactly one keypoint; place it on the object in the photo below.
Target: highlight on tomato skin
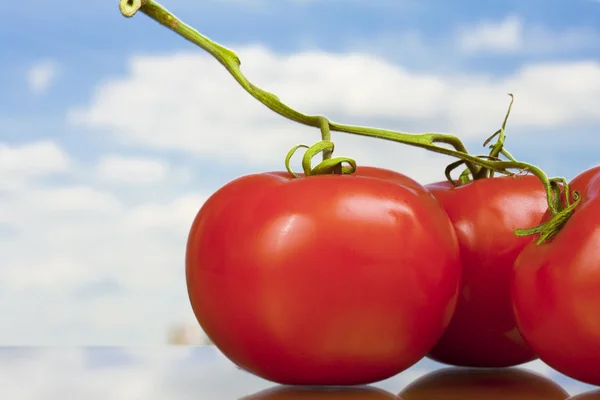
(326, 393)
(456, 383)
(555, 292)
(485, 213)
(323, 280)
(592, 395)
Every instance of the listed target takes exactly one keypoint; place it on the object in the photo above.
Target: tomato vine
(477, 166)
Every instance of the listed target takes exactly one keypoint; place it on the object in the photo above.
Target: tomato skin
(485, 213)
(481, 384)
(323, 280)
(312, 393)
(556, 289)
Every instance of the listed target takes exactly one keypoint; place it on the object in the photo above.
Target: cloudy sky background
(113, 131)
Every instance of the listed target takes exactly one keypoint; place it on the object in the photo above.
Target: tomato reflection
(322, 393)
(477, 384)
(593, 395)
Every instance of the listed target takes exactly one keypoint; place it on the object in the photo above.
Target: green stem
(326, 137)
(231, 62)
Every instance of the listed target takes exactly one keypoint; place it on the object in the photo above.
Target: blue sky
(89, 45)
(114, 131)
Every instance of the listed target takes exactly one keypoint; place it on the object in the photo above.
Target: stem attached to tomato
(477, 166)
(560, 214)
(329, 165)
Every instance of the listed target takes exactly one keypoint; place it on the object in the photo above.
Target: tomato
(556, 289)
(593, 395)
(312, 393)
(485, 213)
(478, 384)
(323, 280)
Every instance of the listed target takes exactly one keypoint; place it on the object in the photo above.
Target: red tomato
(556, 289)
(477, 384)
(312, 393)
(485, 213)
(323, 280)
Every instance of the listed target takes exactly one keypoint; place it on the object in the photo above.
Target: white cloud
(41, 76)
(86, 265)
(34, 160)
(172, 216)
(81, 267)
(512, 35)
(503, 36)
(188, 102)
(120, 169)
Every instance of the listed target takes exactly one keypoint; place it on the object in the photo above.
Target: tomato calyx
(561, 213)
(329, 165)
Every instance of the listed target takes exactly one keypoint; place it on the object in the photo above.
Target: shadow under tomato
(480, 384)
(322, 393)
(593, 395)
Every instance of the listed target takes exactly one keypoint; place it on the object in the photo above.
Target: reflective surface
(107, 373)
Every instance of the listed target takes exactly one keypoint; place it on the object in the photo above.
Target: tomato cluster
(350, 275)
(348, 279)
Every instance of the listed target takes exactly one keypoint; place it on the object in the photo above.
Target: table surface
(203, 373)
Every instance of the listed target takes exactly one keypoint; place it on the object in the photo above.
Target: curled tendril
(464, 176)
(327, 166)
(288, 159)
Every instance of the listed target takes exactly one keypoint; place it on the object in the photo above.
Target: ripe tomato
(477, 384)
(331, 393)
(485, 213)
(556, 289)
(323, 280)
